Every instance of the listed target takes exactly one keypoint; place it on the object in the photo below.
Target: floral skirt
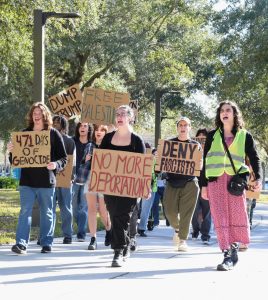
(229, 214)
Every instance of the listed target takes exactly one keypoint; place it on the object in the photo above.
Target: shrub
(8, 183)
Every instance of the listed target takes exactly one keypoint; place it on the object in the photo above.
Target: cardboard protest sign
(250, 193)
(99, 105)
(68, 102)
(134, 105)
(31, 149)
(200, 140)
(121, 173)
(179, 157)
(63, 179)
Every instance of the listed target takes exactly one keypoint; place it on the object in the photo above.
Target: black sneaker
(67, 240)
(81, 238)
(142, 233)
(19, 249)
(133, 244)
(38, 242)
(93, 244)
(108, 237)
(118, 258)
(46, 249)
(150, 225)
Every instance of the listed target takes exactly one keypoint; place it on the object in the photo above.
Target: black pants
(204, 228)
(120, 210)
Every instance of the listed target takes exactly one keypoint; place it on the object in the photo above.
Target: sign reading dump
(31, 149)
(121, 173)
(99, 105)
(63, 179)
(179, 157)
(68, 102)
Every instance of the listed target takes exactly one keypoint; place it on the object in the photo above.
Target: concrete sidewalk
(156, 270)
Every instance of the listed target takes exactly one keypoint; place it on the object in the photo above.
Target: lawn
(9, 212)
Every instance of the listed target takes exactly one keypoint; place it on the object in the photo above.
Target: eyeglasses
(122, 115)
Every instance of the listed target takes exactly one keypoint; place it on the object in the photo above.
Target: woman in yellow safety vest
(228, 212)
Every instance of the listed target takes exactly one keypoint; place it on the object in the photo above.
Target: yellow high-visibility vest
(217, 160)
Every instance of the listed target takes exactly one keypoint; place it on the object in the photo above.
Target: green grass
(9, 212)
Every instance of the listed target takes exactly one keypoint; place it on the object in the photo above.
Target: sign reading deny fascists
(63, 178)
(31, 149)
(99, 105)
(179, 157)
(121, 173)
(68, 102)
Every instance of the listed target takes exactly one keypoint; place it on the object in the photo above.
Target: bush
(8, 183)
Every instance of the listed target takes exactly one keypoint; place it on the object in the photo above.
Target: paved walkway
(155, 271)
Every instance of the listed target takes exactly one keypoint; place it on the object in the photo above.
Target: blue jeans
(44, 196)
(80, 210)
(146, 206)
(155, 208)
(63, 196)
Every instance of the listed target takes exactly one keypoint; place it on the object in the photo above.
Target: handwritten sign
(134, 105)
(179, 157)
(68, 102)
(63, 179)
(121, 173)
(99, 106)
(201, 140)
(31, 149)
(250, 193)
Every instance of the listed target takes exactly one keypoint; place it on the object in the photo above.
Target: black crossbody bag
(237, 184)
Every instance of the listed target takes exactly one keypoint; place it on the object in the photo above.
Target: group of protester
(185, 198)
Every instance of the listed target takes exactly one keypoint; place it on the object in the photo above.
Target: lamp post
(40, 18)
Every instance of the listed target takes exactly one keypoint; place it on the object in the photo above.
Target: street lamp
(40, 18)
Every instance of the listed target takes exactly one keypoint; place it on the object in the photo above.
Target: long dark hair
(238, 120)
(90, 131)
(46, 114)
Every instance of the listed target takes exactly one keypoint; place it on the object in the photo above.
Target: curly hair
(238, 120)
(90, 131)
(46, 114)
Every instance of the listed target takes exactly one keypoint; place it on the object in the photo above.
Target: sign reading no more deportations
(31, 149)
(121, 173)
(179, 157)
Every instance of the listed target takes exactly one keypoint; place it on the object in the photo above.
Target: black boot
(108, 237)
(234, 254)
(118, 258)
(227, 263)
(93, 244)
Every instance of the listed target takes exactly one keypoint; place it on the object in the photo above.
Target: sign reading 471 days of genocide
(63, 178)
(99, 105)
(68, 102)
(179, 157)
(121, 173)
(31, 149)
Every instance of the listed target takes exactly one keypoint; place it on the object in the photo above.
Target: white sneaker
(176, 239)
(182, 247)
